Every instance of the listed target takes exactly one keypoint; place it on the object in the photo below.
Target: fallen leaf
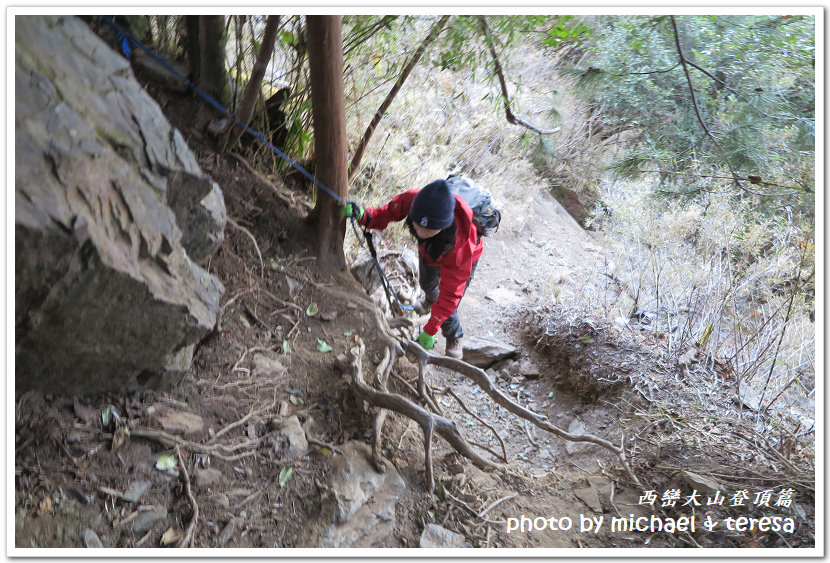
(285, 475)
(120, 438)
(46, 505)
(311, 310)
(170, 536)
(166, 462)
(106, 415)
(286, 347)
(295, 400)
(322, 346)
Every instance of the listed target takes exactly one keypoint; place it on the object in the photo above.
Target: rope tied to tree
(124, 38)
(125, 35)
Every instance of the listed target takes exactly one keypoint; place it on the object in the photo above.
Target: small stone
(136, 491)
(434, 536)
(705, 485)
(91, 539)
(178, 422)
(221, 500)
(293, 432)
(206, 477)
(503, 297)
(749, 397)
(799, 511)
(149, 518)
(577, 429)
(589, 496)
(84, 412)
(227, 532)
(529, 370)
(283, 408)
(328, 316)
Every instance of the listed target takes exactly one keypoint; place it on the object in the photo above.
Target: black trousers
(428, 278)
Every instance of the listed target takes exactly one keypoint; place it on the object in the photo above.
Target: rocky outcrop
(113, 218)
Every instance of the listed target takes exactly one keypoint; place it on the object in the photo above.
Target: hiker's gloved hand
(427, 341)
(352, 209)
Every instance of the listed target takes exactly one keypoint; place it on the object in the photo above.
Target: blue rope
(124, 35)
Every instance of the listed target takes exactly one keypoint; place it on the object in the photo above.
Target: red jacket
(456, 265)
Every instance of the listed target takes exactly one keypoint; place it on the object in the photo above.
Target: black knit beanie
(434, 206)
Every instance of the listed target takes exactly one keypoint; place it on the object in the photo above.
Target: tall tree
(246, 110)
(325, 61)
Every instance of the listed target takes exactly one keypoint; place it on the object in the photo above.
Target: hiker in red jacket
(449, 249)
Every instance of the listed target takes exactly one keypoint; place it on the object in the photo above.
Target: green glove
(427, 341)
(352, 209)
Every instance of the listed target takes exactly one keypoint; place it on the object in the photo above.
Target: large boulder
(112, 218)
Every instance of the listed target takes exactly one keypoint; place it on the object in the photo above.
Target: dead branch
(508, 113)
(188, 537)
(484, 512)
(218, 450)
(247, 417)
(437, 28)
(309, 437)
(285, 196)
(256, 246)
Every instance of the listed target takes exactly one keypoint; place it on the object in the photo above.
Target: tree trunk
(191, 26)
(367, 136)
(212, 75)
(246, 110)
(328, 108)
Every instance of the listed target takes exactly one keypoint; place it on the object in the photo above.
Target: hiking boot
(454, 349)
(422, 307)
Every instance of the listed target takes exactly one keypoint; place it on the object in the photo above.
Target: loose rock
(484, 352)
(227, 532)
(178, 422)
(136, 491)
(148, 519)
(589, 496)
(434, 536)
(705, 485)
(577, 429)
(292, 443)
(91, 539)
(206, 477)
(529, 370)
(503, 297)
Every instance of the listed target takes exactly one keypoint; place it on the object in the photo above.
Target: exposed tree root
(429, 422)
(188, 537)
(377, 396)
(480, 378)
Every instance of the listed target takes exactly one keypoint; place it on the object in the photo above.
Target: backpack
(485, 215)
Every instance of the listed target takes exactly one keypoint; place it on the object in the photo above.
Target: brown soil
(65, 469)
